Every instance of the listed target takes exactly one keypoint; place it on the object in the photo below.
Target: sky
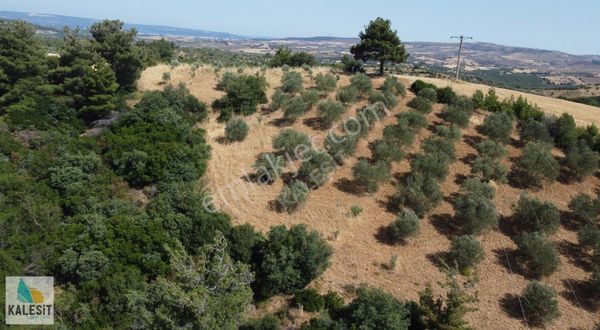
(570, 26)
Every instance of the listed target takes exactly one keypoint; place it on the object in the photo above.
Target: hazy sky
(572, 26)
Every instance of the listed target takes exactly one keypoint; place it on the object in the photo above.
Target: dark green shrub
(474, 208)
(386, 98)
(491, 102)
(418, 85)
(487, 168)
(537, 164)
(362, 84)
(414, 120)
(370, 176)
(451, 132)
(325, 83)
(491, 149)
(533, 130)
(398, 135)
(375, 309)
(405, 226)
(434, 165)
(393, 86)
(315, 168)
(278, 100)
(292, 196)
(347, 94)
(585, 208)
(539, 304)
(446, 95)
(428, 93)
(537, 254)
(340, 147)
(387, 152)
(291, 82)
(421, 105)
(419, 193)
(310, 97)
(292, 143)
(267, 322)
(243, 242)
(294, 108)
(438, 145)
(534, 215)
(243, 93)
(309, 299)
(564, 131)
(466, 253)
(330, 111)
(236, 130)
(290, 259)
(333, 302)
(581, 160)
(351, 65)
(464, 103)
(589, 237)
(498, 127)
(285, 57)
(478, 99)
(268, 167)
(456, 116)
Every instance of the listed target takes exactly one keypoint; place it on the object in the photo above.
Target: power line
(461, 37)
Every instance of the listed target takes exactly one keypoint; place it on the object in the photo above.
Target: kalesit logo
(29, 300)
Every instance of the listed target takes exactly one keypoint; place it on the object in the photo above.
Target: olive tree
(539, 303)
(537, 254)
(405, 226)
(534, 215)
(465, 252)
(329, 111)
(581, 160)
(236, 130)
(370, 176)
(292, 143)
(498, 127)
(537, 164)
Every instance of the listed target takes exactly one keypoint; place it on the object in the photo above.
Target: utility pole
(461, 37)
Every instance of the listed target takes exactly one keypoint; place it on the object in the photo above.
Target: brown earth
(358, 254)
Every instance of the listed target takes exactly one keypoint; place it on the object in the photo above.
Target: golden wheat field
(358, 253)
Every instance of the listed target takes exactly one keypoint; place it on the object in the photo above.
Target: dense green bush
(243, 241)
(537, 164)
(405, 226)
(278, 99)
(243, 93)
(491, 149)
(268, 167)
(370, 176)
(466, 253)
(539, 304)
(487, 169)
(446, 95)
(330, 111)
(418, 85)
(534, 215)
(292, 143)
(451, 132)
(347, 94)
(421, 105)
(414, 120)
(585, 208)
(464, 103)
(294, 108)
(290, 259)
(292, 83)
(429, 94)
(267, 322)
(456, 116)
(315, 168)
(236, 130)
(393, 86)
(340, 147)
(441, 146)
(325, 83)
(386, 98)
(533, 130)
(589, 237)
(537, 254)
(478, 99)
(564, 131)
(581, 160)
(498, 127)
(292, 196)
(309, 299)
(375, 309)
(387, 152)
(434, 165)
(398, 135)
(310, 97)
(362, 84)
(419, 193)
(474, 208)
(333, 302)
(285, 57)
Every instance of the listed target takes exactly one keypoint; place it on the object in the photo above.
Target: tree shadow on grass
(472, 140)
(510, 305)
(468, 159)
(441, 260)
(383, 236)
(581, 294)
(575, 254)
(315, 123)
(350, 186)
(281, 122)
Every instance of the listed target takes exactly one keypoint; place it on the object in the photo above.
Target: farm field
(359, 252)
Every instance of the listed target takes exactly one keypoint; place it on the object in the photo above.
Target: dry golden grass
(358, 254)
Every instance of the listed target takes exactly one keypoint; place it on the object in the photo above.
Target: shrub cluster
(419, 193)
(537, 254)
(487, 165)
(537, 164)
(347, 94)
(465, 253)
(405, 226)
(369, 175)
(292, 143)
(474, 208)
(309, 299)
(268, 167)
(531, 214)
(340, 146)
(243, 93)
(393, 86)
(292, 196)
(325, 83)
(421, 105)
(330, 111)
(236, 130)
(581, 160)
(362, 84)
(498, 126)
(429, 94)
(286, 57)
(316, 167)
(539, 304)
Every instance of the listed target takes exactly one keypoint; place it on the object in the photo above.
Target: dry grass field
(358, 253)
